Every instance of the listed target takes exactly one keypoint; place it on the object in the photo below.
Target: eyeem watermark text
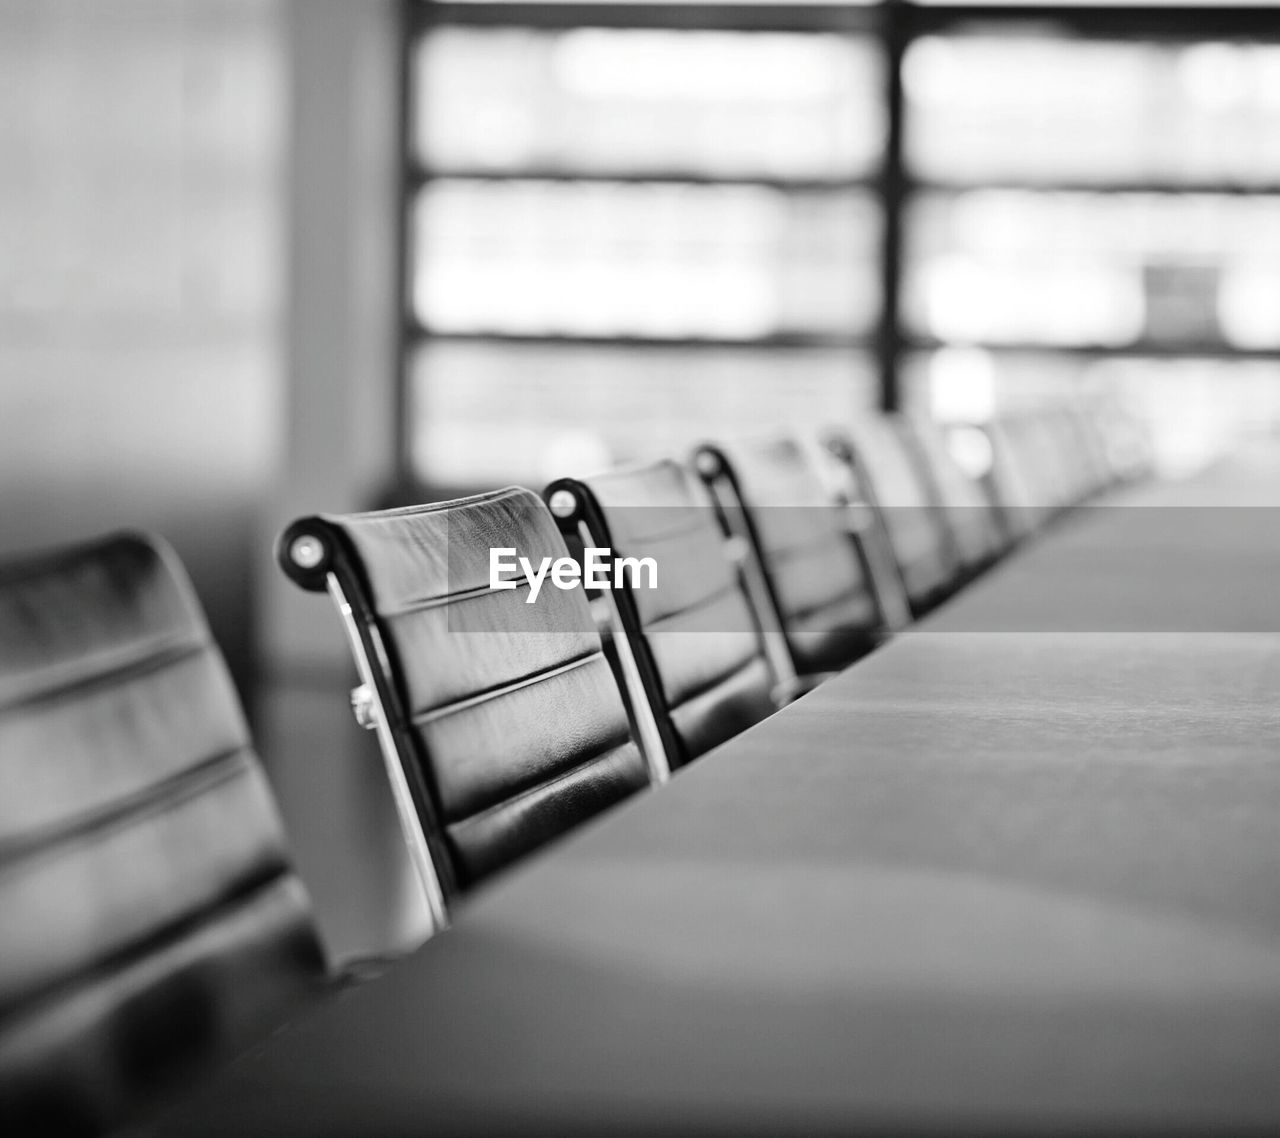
(599, 570)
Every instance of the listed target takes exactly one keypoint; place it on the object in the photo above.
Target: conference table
(1018, 871)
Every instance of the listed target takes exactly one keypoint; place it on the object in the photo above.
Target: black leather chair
(881, 450)
(1082, 449)
(1024, 479)
(499, 720)
(1061, 463)
(150, 923)
(822, 588)
(696, 650)
(978, 539)
(1124, 444)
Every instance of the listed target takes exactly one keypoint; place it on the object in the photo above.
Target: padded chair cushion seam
(237, 894)
(121, 666)
(817, 607)
(18, 854)
(505, 804)
(441, 711)
(798, 549)
(435, 507)
(723, 678)
(701, 603)
(441, 600)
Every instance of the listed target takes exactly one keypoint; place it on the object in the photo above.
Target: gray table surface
(1181, 556)
(1011, 880)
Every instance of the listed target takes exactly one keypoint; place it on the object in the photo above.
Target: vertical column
(892, 187)
(410, 17)
(337, 454)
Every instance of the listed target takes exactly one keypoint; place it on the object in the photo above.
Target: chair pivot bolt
(362, 707)
(306, 552)
(563, 503)
(708, 464)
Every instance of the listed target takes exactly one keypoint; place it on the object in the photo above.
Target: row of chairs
(504, 724)
(153, 923)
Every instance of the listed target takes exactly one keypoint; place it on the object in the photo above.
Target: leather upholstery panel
(113, 740)
(421, 554)
(825, 629)
(134, 820)
(821, 575)
(504, 744)
(885, 452)
(485, 641)
(63, 614)
(927, 575)
(920, 545)
(969, 514)
(78, 1063)
(698, 646)
(488, 840)
(168, 849)
(697, 626)
(693, 567)
(826, 640)
(1019, 477)
(1091, 447)
(1076, 459)
(1049, 467)
(724, 710)
(810, 558)
(516, 724)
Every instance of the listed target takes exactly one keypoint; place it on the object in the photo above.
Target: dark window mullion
(893, 192)
(420, 175)
(1103, 21)
(1137, 349)
(672, 17)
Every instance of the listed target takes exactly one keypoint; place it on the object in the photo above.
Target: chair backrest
(890, 465)
(499, 720)
(819, 584)
(1023, 476)
(969, 513)
(1124, 443)
(691, 630)
(149, 920)
(1046, 462)
(1060, 465)
(1076, 475)
(1080, 425)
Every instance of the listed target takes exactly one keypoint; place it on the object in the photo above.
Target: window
(629, 227)
(1096, 211)
(625, 238)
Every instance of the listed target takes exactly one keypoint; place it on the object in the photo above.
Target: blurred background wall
(142, 285)
(197, 329)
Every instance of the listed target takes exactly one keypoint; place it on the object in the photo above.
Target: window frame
(894, 25)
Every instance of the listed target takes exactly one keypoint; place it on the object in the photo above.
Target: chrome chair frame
(740, 546)
(567, 509)
(310, 556)
(866, 525)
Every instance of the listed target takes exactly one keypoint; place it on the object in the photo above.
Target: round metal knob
(307, 552)
(563, 503)
(708, 463)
